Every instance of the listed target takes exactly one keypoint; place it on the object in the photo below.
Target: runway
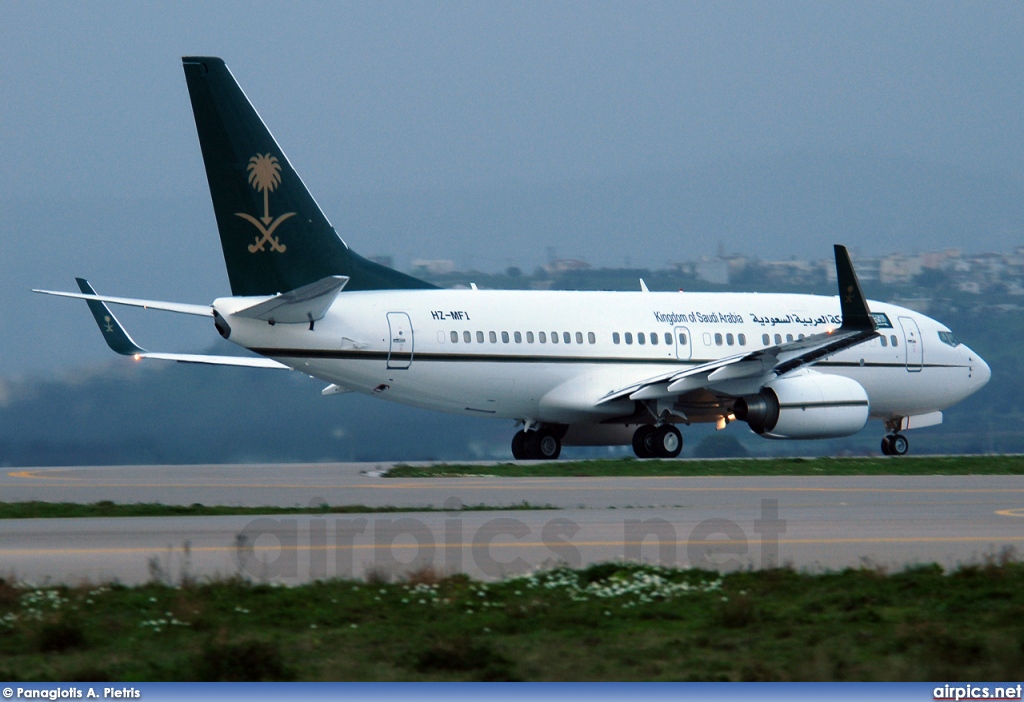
(811, 523)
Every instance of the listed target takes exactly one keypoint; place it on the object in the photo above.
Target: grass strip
(630, 467)
(70, 510)
(611, 621)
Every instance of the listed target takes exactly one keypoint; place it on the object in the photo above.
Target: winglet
(113, 333)
(856, 315)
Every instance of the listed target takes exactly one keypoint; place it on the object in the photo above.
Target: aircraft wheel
(543, 445)
(643, 447)
(887, 445)
(519, 446)
(667, 440)
(900, 445)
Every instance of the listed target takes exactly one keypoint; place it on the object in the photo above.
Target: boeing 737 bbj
(572, 368)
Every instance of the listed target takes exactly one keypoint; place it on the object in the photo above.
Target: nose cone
(979, 371)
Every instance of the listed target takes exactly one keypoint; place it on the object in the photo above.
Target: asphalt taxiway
(722, 523)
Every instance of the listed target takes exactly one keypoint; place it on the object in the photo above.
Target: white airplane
(573, 368)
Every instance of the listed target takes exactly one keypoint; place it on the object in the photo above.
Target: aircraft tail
(274, 236)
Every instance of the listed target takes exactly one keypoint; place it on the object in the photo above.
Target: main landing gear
(895, 445)
(651, 441)
(542, 444)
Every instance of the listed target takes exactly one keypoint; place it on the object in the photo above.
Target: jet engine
(810, 406)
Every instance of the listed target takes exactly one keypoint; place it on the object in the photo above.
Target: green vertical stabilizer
(274, 236)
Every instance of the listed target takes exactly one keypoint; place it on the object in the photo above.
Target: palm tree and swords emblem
(265, 176)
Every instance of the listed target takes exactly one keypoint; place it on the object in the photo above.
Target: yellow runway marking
(511, 544)
(35, 475)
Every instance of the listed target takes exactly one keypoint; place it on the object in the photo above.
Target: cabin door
(401, 345)
(912, 344)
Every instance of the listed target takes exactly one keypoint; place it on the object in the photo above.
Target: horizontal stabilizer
(306, 304)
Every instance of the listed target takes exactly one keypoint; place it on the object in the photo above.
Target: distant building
(561, 265)
(712, 270)
(898, 268)
(440, 266)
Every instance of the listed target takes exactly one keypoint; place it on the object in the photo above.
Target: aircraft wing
(858, 326)
(180, 307)
(121, 342)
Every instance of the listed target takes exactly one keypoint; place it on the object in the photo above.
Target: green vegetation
(633, 623)
(68, 510)
(906, 465)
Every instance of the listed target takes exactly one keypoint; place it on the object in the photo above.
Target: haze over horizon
(485, 133)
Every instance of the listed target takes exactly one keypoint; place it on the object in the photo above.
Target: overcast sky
(392, 98)
(378, 96)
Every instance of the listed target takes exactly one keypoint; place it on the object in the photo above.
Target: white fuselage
(494, 353)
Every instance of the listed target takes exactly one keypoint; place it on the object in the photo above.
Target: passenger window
(743, 339)
(542, 337)
(729, 339)
(789, 338)
(518, 337)
(883, 341)
(778, 338)
(529, 337)
(801, 337)
(554, 337)
(493, 337)
(682, 339)
(566, 337)
(591, 338)
(641, 339)
(455, 337)
(479, 337)
(629, 338)
(579, 337)
(765, 340)
(504, 337)
(707, 339)
(466, 337)
(615, 337)
(718, 339)
(654, 338)
(893, 340)
(668, 338)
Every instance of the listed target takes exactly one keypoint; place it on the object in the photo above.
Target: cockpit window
(948, 337)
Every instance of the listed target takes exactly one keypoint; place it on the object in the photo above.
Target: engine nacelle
(811, 406)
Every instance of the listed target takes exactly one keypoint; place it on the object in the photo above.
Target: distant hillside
(155, 413)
